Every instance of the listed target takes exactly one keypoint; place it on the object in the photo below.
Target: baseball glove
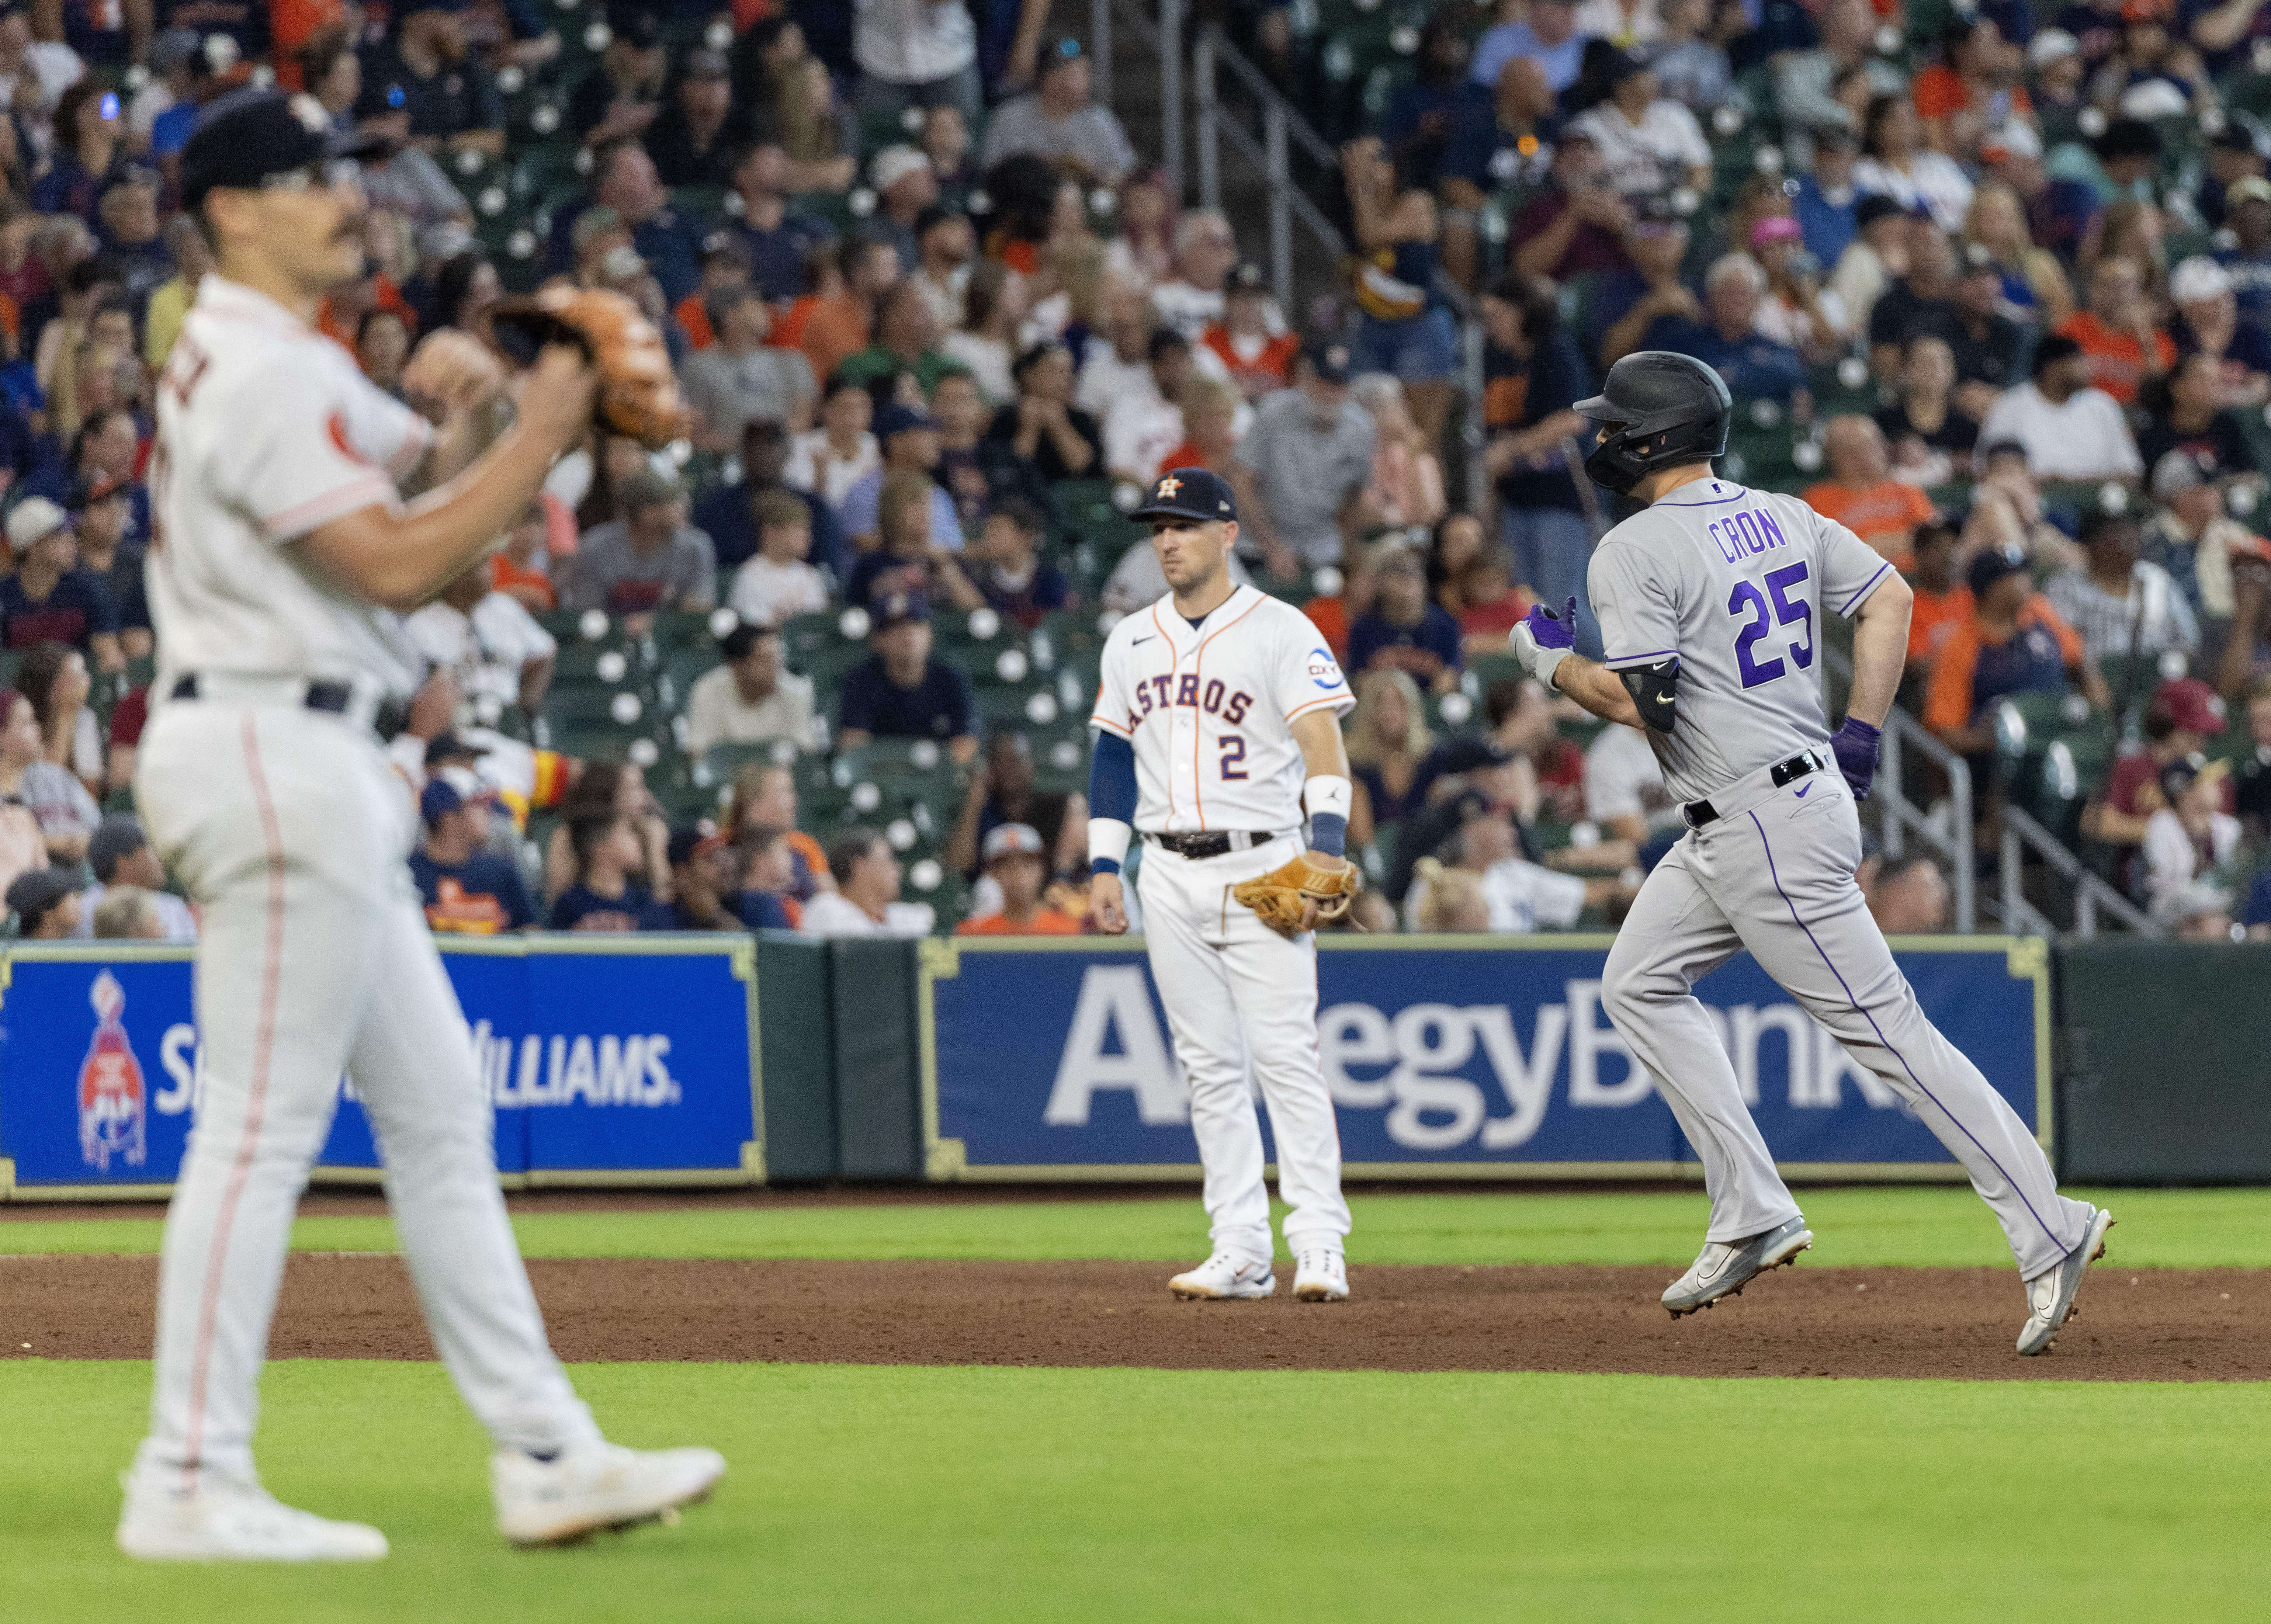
(1277, 896)
(638, 396)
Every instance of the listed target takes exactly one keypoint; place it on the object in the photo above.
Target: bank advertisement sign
(1471, 1055)
(595, 1059)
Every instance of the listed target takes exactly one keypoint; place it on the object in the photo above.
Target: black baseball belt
(333, 698)
(1214, 843)
(1697, 813)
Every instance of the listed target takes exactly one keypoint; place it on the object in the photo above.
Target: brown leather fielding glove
(1277, 896)
(638, 395)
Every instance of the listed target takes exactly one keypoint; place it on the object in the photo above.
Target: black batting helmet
(1659, 408)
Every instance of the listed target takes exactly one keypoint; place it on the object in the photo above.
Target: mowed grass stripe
(1008, 1495)
(1861, 1227)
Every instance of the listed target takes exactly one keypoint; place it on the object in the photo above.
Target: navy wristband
(1328, 833)
(1102, 865)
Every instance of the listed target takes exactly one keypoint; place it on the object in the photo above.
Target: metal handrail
(2091, 893)
(1902, 816)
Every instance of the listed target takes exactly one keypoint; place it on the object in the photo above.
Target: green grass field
(987, 1494)
(1902, 1225)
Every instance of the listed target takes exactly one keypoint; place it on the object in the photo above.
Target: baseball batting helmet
(1658, 408)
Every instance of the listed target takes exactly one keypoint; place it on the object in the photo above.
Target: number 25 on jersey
(1747, 603)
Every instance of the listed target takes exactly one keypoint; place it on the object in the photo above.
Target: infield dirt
(2142, 1324)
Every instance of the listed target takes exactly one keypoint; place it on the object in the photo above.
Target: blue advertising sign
(606, 1061)
(1446, 1056)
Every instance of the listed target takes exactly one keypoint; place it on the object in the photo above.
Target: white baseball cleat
(1320, 1275)
(218, 1519)
(2050, 1294)
(1223, 1278)
(590, 1486)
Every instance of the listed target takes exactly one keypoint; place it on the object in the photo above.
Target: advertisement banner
(616, 1060)
(1459, 1056)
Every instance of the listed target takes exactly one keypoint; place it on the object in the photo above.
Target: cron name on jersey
(1745, 533)
(1171, 692)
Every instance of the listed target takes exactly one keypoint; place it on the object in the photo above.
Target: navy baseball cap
(896, 419)
(899, 608)
(1992, 566)
(1189, 493)
(438, 800)
(1329, 359)
(245, 140)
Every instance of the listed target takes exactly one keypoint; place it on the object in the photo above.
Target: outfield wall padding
(878, 1106)
(795, 976)
(2165, 1071)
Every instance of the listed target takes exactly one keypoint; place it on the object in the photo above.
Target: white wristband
(1109, 838)
(1326, 793)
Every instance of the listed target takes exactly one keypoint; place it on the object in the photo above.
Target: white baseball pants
(290, 828)
(1237, 992)
(1775, 873)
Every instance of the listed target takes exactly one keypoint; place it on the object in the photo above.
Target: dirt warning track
(2135, 1324)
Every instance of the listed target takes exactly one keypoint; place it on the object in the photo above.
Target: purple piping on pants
(1894, 1053)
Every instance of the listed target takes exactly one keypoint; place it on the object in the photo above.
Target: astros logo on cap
(1169, 486)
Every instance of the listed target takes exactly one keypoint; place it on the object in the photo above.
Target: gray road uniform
(1733, 584)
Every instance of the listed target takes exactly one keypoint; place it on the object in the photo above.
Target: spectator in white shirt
(2070, 431)
(830, 460)
(1624, 786)
(866, 900)
(1896, 164)
(1206, 249)
(2191, 835)
(915, 53)
(750, 699)
(985, 340)
(120, 856)
(1142, 426)
(487, 640)
(1523, 896)
(777, 583)
(1648, 142)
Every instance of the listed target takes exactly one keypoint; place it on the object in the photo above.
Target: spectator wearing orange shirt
(519, 569)
(1974, 88)
(837, 320)
(2012, 641)
(1862, 494)
(724, 265)
(2121, 348)
(1942, 600)
(1016, 861)
(1259, 360)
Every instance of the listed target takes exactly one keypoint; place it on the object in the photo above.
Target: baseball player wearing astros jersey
(1218, 721)
(1711, 605)
(281, 554)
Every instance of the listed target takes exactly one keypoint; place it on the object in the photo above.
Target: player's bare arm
(400, 559)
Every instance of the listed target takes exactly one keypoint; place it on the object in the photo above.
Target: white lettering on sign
(1116, 999)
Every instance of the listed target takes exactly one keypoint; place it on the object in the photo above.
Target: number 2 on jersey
(1748, 600)
(1233, 756)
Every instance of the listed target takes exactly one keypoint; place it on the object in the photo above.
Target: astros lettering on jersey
(1209, 709)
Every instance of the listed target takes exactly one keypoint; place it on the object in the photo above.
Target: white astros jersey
(1210, 711)
(1732, 583)
(266, 430)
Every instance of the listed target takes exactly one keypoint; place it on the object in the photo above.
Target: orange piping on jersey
(1198, 674)
(1303, 709)
(1170, 774)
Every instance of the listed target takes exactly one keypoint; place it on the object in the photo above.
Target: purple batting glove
(1855, 746)
(1550, 632)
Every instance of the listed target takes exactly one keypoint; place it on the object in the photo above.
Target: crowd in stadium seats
(1989, 285)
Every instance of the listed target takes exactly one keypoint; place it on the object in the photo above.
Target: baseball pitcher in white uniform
(1218, 724)
(282, 552)
(1711, 605)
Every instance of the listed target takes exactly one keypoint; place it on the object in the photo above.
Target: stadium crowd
(1989, 290)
